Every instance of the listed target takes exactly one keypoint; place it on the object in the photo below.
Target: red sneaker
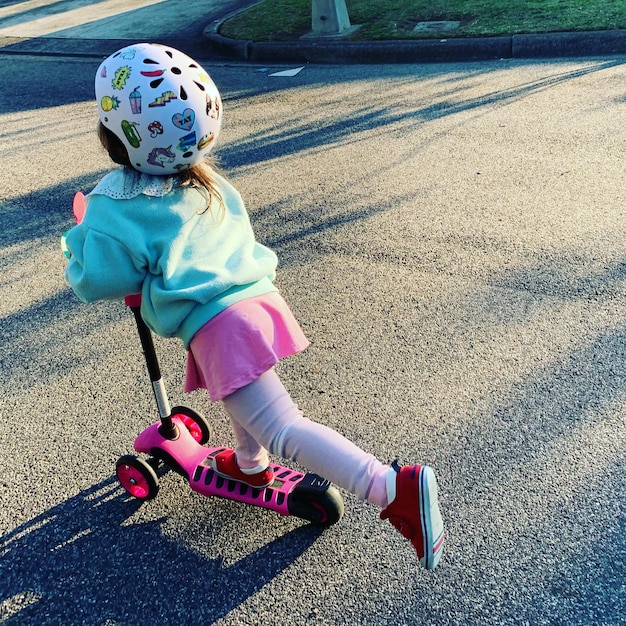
(225, 464)
(414, 511)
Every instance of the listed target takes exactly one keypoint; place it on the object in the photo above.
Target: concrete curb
(335, 50)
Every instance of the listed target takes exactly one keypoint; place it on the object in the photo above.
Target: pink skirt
(235, 347)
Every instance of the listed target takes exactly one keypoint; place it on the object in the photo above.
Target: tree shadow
(565, 274)
(82, 562)
(546, 444)
(403, 108)
(43, 213)
(577, 385)
(591, 583)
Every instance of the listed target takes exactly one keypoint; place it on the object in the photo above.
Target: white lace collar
(126, 184)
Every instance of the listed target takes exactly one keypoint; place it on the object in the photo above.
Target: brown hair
(200, 176)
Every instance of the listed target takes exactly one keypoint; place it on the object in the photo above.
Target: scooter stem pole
(168, 429)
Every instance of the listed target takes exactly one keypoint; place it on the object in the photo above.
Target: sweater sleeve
(101, 267)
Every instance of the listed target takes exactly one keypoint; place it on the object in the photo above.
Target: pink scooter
(178, 441)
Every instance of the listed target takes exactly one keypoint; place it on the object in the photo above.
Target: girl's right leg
(265, 412)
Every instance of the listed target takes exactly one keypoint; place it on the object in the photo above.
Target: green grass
(284, 20)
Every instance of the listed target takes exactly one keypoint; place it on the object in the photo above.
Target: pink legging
(264, 417)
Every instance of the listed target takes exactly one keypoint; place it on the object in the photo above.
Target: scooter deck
(208, 482)
(292, 493)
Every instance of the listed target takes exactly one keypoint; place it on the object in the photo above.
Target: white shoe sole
(432, 522)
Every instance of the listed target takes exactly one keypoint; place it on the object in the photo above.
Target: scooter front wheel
(196, 424)
(137, 477)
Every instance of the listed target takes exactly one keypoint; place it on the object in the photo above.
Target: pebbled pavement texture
(450, 237)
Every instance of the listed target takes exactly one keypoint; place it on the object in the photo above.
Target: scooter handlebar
(134, 300)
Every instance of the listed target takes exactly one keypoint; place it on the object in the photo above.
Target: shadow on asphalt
(304, 136)
(82, 563)
(43, 213)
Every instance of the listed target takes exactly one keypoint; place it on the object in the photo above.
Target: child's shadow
(81, 562)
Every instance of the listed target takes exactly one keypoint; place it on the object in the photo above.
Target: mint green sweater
(187, 264)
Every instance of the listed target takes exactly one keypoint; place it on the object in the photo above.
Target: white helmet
(161, 104)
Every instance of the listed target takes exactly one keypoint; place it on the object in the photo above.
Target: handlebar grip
(134, 300)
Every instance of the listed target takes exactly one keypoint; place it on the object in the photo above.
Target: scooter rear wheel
(196, 424)
(137, 477)
(315, 499)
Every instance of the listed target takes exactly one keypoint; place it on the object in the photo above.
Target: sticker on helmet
(184, 120)
(131, 132)
(153, 73)
(155, 128)
(128, 54)
(205, 141)
(109, 103)
(160, 156)
(163, 99)
(135, 101)
(186, 142)
(122, 74)
(213, 107)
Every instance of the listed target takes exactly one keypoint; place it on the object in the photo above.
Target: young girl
(168, 226)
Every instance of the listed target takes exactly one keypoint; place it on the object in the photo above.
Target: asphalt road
(451, 239)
